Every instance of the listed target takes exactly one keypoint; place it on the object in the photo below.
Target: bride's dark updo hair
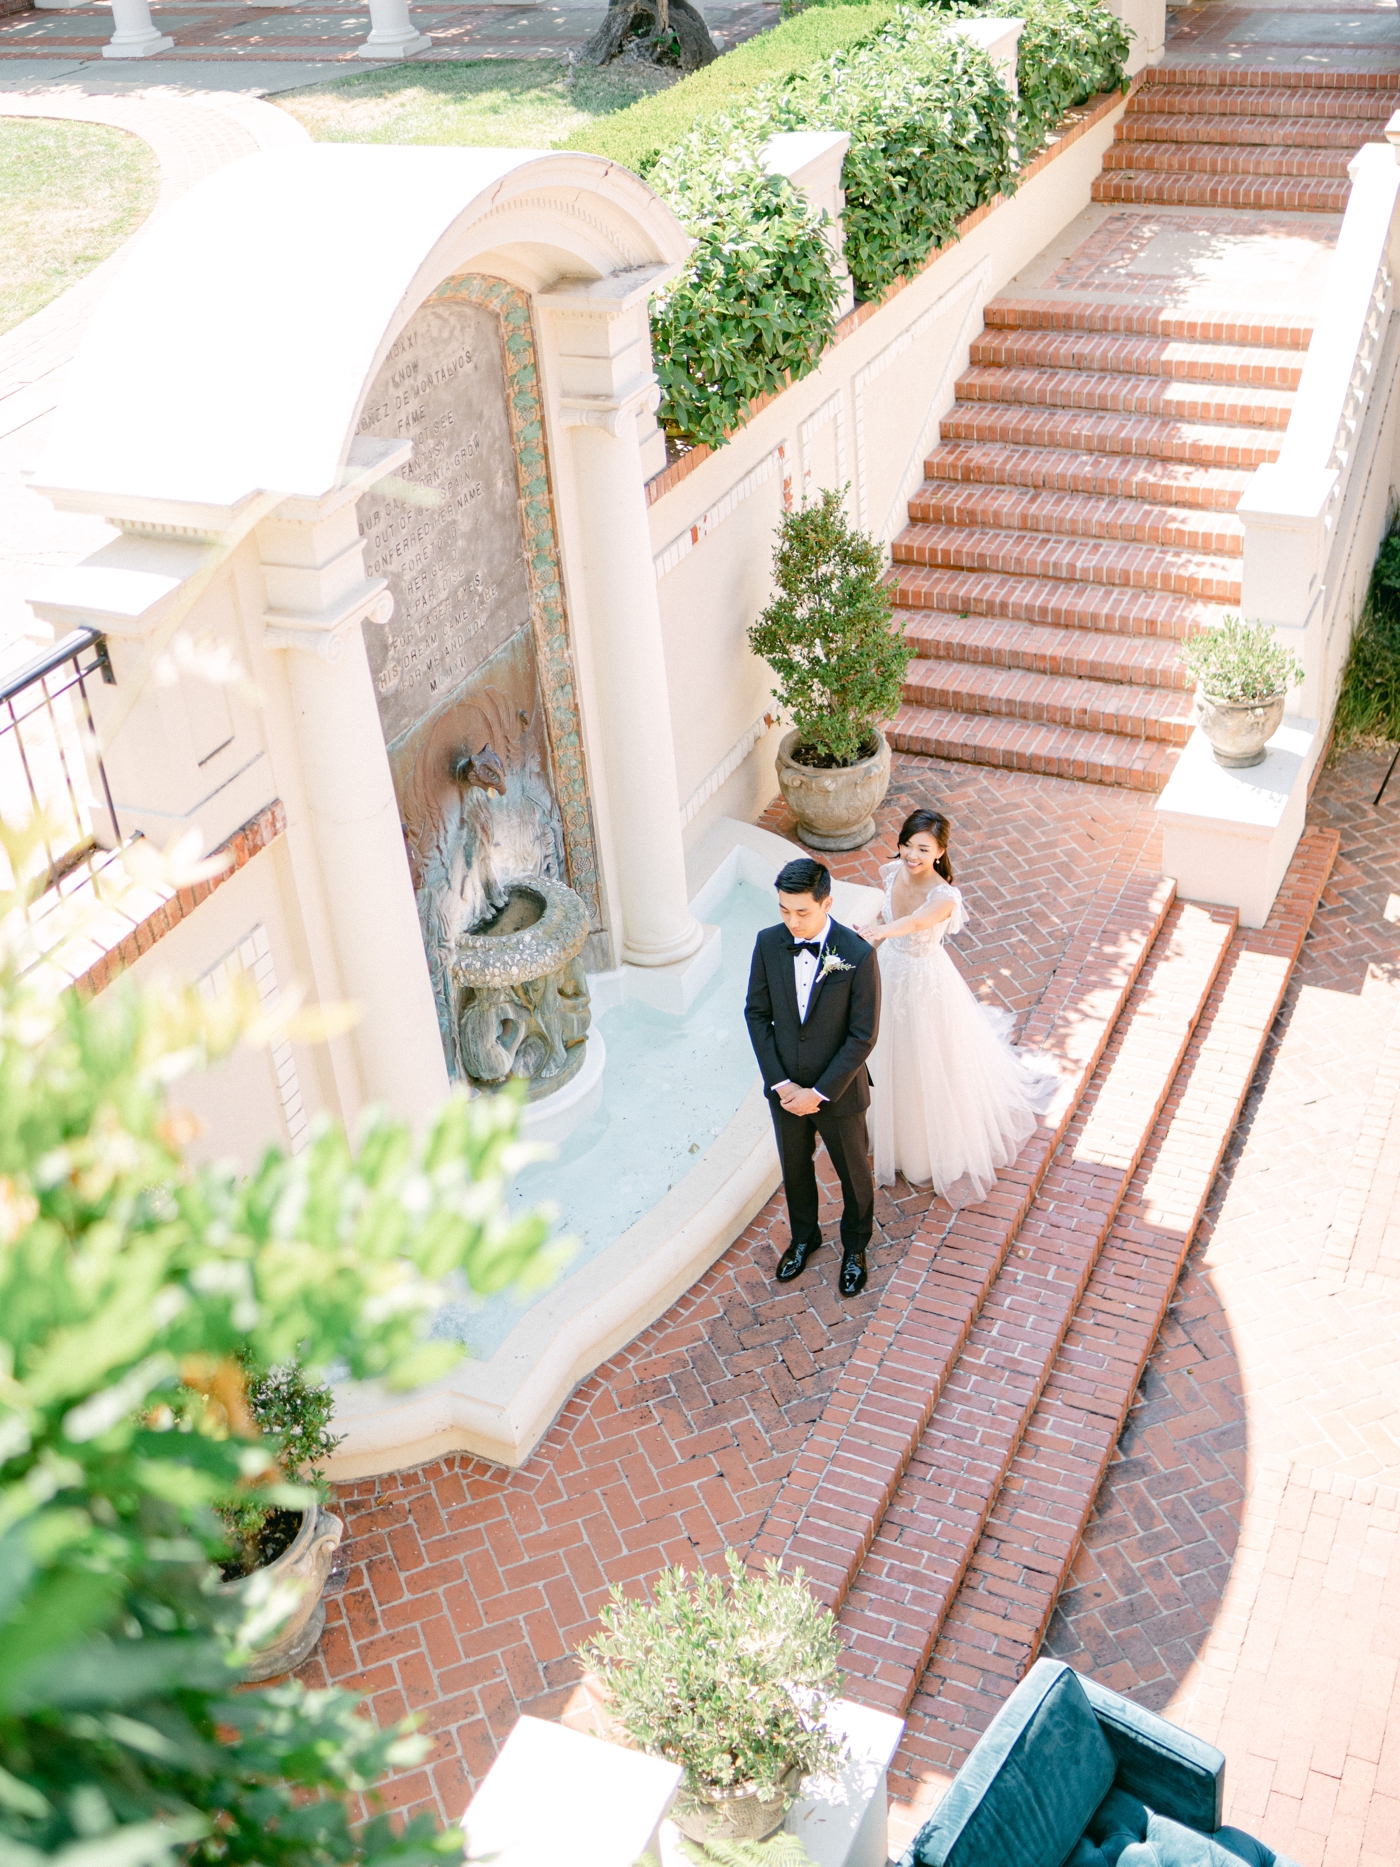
(930, 823)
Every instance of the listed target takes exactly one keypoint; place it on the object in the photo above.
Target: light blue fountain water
(670, 1086)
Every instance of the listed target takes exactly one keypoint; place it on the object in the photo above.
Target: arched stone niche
(219, 414)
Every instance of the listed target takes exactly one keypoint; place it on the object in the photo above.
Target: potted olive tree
(280, 1555)
(829, 638)
(730, 1677)
(1242, 675)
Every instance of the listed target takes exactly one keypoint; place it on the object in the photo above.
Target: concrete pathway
(326, 36)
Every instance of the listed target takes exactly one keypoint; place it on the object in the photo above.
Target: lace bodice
(919, 945)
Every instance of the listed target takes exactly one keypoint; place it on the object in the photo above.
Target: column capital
(617, 295)
(611, 412)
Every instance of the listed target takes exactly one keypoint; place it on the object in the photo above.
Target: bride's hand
(873, 934)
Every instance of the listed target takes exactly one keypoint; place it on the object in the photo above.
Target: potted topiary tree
(1243, 674)
(840, 663)
(281, 1555)
(730, 1677)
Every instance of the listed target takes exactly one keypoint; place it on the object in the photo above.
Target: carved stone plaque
(456, 669)
(450, 542)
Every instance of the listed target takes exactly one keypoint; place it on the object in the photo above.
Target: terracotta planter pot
(733, 1814)
(301, 1570)
(834, 806)
(1239, 730)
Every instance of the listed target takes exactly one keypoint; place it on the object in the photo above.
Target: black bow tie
(814, 947)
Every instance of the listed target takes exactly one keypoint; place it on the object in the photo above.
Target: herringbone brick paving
(469, 1585)
(1240, 1570)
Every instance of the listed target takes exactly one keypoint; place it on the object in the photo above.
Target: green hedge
(756, 299)
(932, 137)
(637, 136)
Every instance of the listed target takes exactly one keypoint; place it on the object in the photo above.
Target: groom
(813, 1011)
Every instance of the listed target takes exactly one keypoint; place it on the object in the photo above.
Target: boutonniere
(833, 962)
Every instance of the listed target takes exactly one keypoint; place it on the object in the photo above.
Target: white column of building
(318, 596)
(134, 34)
(606, 384)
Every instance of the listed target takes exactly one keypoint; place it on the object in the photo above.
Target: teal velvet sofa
(1069, 1774)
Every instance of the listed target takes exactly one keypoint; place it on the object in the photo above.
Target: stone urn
(521, 998)
(834, 805)
(1239, 730)
(298, 1577)
(732, 1814)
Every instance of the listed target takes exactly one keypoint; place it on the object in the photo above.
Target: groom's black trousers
(848, 1144)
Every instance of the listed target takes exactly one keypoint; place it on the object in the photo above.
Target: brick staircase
(1077, 519)
(939, 1500)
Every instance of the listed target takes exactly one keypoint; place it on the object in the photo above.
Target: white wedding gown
(951, 1101)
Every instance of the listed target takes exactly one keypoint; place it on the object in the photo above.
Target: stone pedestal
(811, 160)
(135, 35)
(1228, 836)
(392, 33)
(607, 390)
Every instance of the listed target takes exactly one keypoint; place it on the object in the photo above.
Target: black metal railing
(50, 755)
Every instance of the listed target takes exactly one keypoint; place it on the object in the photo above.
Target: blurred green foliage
(1368, 708)
(130, 1285)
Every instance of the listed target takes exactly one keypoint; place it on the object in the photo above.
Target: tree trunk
(653, 20)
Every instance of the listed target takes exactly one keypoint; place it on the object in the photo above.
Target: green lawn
(499, 103)
(70, 193)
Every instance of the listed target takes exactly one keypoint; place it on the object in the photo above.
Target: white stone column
(392, 33)
(134, 34)
(318, 596)
(608, 391)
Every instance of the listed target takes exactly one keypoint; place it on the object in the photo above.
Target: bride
(951, 1101)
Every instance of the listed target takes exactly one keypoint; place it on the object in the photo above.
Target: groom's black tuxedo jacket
(827, 1052)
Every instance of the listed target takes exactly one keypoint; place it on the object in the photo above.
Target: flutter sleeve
(958, 919)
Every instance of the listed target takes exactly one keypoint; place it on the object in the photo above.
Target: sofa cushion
(1119, 1817)
(1027, 1792)
(1169, 1844)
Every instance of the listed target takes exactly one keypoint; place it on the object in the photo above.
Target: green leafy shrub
(1068, 52)
(293, 1414)
(755, 302)
(932, 137)
(130, 1284)
(1239, 661)
(638, 136)
(828, 634)
(727, 1676)
(1368, 708)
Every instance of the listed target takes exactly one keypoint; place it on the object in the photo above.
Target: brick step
(1172, 158)
(1204, 444)
(1027, 1547)
(990, 641)
(1078, 515)
(1275, 329)
(1053, 602)
(1269, 77)
(1347, 133)
(1082, 560)
(1232, 405)
(1106, 354)
(1054, 469)
(831, 1502)
(1287, 195)
(1034, 746)
(1160, 714)
(929, 1532)
(1295, 102)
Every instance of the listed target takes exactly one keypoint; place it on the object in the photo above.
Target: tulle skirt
(951, 1102)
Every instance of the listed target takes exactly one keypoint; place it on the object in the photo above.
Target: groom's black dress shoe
(794, 1260)
(852, 1280)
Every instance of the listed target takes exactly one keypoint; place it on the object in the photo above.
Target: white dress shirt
(804, 967)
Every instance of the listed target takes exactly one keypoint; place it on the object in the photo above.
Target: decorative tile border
(682, 546)
(548, 615)
(252, 957)
(726, 768)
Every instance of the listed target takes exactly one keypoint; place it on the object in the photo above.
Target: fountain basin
(520, 996)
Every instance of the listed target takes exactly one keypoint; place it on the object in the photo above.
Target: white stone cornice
(324, 634)
(610, 412)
